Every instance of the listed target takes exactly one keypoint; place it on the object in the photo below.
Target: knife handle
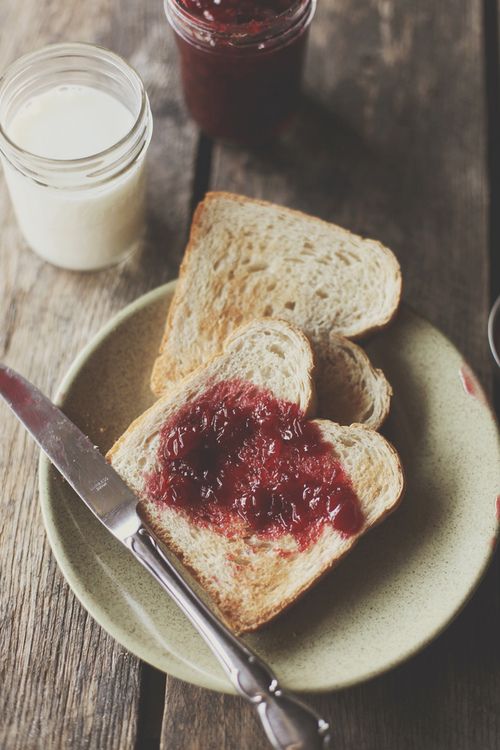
(288, 723)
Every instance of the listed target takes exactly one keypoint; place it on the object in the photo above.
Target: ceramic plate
(400, 587)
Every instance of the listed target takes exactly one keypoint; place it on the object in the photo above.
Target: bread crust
(349, 389)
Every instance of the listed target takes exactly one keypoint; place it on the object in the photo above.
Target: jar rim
(12, 150)
(241, 35)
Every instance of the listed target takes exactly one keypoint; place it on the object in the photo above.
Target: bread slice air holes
(360, 296)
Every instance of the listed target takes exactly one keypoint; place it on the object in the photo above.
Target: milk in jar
(73, 156)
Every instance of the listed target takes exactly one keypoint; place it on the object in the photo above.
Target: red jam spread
(241, 64)
(236, 11)
(241, 461)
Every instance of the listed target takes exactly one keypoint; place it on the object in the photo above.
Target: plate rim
(176, 666)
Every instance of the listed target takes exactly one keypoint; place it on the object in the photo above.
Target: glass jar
(87, 211)
(241, 81)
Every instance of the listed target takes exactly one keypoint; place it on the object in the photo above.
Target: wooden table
(398, 138)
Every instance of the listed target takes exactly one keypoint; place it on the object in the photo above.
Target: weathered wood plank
(197, 719)
(64, 683)
(390, 142)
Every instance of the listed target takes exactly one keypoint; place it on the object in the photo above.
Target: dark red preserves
(236, 12)
(241, 63)
(239, 460)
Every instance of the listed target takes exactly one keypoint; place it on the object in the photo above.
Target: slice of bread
(250, 578)
(349, 389)
(248, 259)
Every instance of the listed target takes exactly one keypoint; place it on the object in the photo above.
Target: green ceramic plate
(402, 584)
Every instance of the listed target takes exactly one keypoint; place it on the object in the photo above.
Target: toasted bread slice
(349, 389)
(252, 579)
(248, 259)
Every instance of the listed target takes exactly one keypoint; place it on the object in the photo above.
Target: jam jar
(241, 63)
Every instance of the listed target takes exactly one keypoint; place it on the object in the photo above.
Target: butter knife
(288, 723)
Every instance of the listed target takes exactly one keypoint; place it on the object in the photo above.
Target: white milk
(70, 122)
(83, 228)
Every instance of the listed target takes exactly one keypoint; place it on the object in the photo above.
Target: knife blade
(75, 456)
(288, 723)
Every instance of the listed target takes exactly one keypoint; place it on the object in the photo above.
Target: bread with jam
(255, 497)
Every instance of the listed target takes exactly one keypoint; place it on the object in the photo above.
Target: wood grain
(63, 682)
(197, 719)
(390, 142)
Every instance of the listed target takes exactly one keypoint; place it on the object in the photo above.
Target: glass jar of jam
(241, 62)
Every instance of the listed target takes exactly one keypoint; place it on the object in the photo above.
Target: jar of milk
(75, 125)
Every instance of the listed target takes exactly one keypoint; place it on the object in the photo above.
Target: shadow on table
(405, 707)
(322, 165)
